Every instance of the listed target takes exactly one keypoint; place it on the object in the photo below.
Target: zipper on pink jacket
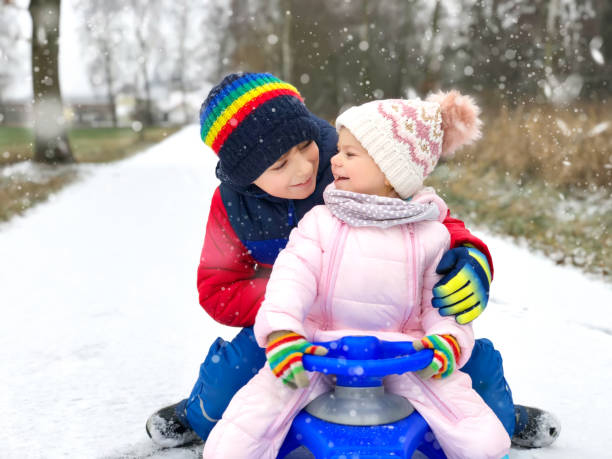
(332, 272)
(411, 240)
(443, 407)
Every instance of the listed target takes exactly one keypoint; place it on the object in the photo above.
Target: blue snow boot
(535, 428)
(166, 428)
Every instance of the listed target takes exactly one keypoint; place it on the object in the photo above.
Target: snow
(102, 326)
(599, 129)
(595, 47)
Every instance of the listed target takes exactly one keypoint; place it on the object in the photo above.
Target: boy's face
(355, 170)
(294, 175)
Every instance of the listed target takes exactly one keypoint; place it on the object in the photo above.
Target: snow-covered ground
(101, 325)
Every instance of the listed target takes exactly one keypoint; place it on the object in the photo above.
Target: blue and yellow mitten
(464, 289)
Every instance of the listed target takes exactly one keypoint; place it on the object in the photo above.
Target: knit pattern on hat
(404, 137)
(252, 119)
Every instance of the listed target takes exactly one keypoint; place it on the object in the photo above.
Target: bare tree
(254, 28)
(6, 59)
(221, 12)
(182, 15)
(506, 49)
(401, 16)
(216, 23)
(286, 48)
(149, 51)
(430, 79)
(194, 46)
(13, 46)
(51, 143)
(102, 28)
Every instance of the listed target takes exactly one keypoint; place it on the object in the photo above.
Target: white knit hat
(407, 137)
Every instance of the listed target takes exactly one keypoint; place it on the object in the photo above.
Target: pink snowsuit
(334, 280)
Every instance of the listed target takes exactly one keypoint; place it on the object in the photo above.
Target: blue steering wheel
(367, 357)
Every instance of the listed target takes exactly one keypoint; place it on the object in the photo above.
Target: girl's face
(355, 170)
(294, 175)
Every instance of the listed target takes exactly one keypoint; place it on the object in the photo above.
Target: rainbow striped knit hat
(250, 120)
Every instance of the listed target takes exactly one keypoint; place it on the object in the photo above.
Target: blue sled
(360, 363)
(335, 441)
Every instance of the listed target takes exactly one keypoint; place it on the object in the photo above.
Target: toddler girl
(364, 264)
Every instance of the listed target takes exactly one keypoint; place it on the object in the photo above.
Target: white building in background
(177, 108)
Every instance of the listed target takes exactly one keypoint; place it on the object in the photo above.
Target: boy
(274, 163)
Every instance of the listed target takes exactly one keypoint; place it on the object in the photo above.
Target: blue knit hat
(252, 119)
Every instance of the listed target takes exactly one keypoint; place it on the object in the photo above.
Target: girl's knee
(489, 441)
(230, 440)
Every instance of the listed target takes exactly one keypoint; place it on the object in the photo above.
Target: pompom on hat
(250, 120)
(406, 138)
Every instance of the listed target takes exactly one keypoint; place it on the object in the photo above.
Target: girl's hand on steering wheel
(284, 353)
(446, 353)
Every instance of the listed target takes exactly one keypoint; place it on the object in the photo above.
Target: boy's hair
(250, 120)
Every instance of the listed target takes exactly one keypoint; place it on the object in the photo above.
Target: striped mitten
(446, 353)
(284, 353)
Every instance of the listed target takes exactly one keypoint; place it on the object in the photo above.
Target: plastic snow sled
(358, 418)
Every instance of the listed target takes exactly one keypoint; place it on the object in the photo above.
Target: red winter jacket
(232, 285)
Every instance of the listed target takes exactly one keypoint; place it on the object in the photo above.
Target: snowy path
(101, 324)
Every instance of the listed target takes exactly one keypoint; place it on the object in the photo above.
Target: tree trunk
(148, 115)
(110, 84)
(430, 80)
(404, 18)
(287, 54)
(182, 34)
(146, 80)
(51, 143)
(366, 83)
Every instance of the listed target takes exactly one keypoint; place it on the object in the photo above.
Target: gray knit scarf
(357, 209)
